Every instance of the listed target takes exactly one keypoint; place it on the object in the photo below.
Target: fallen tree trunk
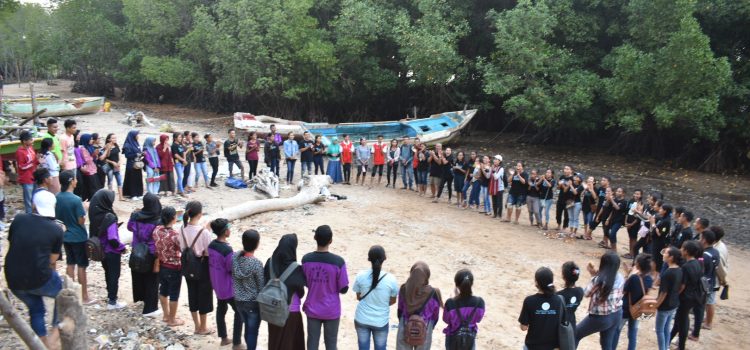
(21, 327)
(309, 193)
(73, 320)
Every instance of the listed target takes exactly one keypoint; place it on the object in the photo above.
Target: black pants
(214, 161)
(186, 174)
(560, 213)
(146, 288)
(392, 170)
(347, 172)
(222, 307)
(200, 294)
(253, 168)
(318, 161)
(497, 204)
(642, 243)
(682, 322)
(111, 265)
(446, 181)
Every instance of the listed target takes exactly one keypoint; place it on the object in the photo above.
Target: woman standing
(632, 223)
(220, 261)
(571, 294)
(178, 154)
(212, 152)
(251, 153)
(318, 152)
(200, 294)
(605, 306)
(560, 205)
(103, 223)
(146, 284)
(48, 161)
(334, 162)
(167, 244)
(588, 206)
(636, 287)
(690, 291)
(417, 296)
(497, 186)
(485, 173)
(133, 183)
(392, 157)
(188, 181)
(518, 188)
(152, 165)
(533, 200)
(423, 167)
(446, 175)
(573, 204)
(376, 292)
(347, 147)
(617, 216)
(541, 313)
(247, 282)
(292, 335)
(670, 282)
(111, 156)
(463, 309)
(166, 162)
(459, 178)
(88, 168)
(98, 160)
(199, 151)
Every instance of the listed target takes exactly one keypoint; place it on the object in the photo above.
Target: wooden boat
(8, 148)
(437, 128)
(56, 108)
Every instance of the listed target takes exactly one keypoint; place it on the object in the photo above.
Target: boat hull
(8, 148)
(56, 108)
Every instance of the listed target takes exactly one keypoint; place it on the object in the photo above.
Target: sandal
(627, 256)
(602, 245)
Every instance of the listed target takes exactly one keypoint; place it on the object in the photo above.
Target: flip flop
(208, 332)
(627, 256)
(602, 245)
(580, 237)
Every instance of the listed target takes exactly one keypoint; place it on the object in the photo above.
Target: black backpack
(465, 336)
(141, 259)
(191, 264)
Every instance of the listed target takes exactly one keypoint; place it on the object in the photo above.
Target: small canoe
(56, 108)
(437, 128)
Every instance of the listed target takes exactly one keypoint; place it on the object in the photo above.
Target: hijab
(148, 146)
(131, 142)
(283, 256)
(86, 143)
(100, 206)
(151, 212)
(417, 290)
(165, 155)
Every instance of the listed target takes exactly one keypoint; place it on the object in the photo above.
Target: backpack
(272, 299)
(192, 265)
(94, 247)
(464, 338)
(416, 328)
(704, 289)
(141, 259)
(644, 308)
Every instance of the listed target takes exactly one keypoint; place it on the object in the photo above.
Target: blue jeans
(573, 213)
(28, 194)
(407, 175)
(273, 163)
(632, 333)
(484, 193)
(250, 315)
(474, 197)
(152, 187)
(588, 217)
(605, 325)
(546, 206)
(201, 169)
(421, 177)
(464, 189)
(613, 233)
(113, 175)
(290, 170)
(179, 170)
(379, 336)
(33, 300)
(664, 327)
(307, 165)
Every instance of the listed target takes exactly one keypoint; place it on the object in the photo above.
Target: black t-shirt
(448, 167)
(318, 150)
(114, 154)
(306, 155)
(587, 199)
(33, 239)
(547, 192)
(618, 215)
(199, 147)
(542, 314)
(516, 187)
(230, 150)
(692, 271)
(710, 264)
(633, 292)
(561, 180)
(576, 197)
(463, 165)
(602, 193)
(573, 297)
(436, 166)
(533, 188)
(423, 165)
(671, 280)
(681, 235)
(178, 149)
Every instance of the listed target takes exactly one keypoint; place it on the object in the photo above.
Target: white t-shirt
(374, 310)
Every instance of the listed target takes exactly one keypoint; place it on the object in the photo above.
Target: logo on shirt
(545, 306)
(573, 300)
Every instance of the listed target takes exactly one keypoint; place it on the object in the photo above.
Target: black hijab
(151, 212)
(100, 206)
(283, 256)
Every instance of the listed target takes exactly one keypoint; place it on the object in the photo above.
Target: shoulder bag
(566, 334)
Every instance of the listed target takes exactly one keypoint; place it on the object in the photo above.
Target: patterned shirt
(247, 277)
(168, 247)
(612, 303)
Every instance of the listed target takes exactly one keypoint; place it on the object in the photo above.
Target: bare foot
(204, 331)
(225, 341)
(176, 322)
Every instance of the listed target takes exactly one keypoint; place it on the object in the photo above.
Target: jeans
(112, 174)
(574, 213)
(421, 177)
(474, 196)
(465, 189)
(33, 300)
(111, 265)
(632, 333)
(613, 233)
(179, 170)
(535, 209)
(407, 175)
(290, 170)
(484, 193)
(588, 217)
(152, 187)
(201, 169)
(546, 206)
(379, 336)
(233, 162)
(330, 333)
(222, 306)
(28, 194)
(273, 163)
(250, 315)
(605, 325)
(664, 327)
(306, 165)
(214, 161)
(318, 161)
(186, 174)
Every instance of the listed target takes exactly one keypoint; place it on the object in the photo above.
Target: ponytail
(376, 257)
(192, 209)
(544, 281)
(464, 280)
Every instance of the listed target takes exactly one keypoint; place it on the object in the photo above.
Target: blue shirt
(374, 310)
(69, 209)
(291, 148)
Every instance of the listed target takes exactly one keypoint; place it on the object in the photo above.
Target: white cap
(45, 202)
(499, 157)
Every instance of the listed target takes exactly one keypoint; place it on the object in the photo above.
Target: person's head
(220, 227)
(26, 138)
(250, 240)
(318, 138)
(519, 167)
(637, 195)
(41, 177)
(394, 143)
(708, 238)
(196, 137)
(323, 235)
(534, 173)
(473, 155)
(570, 272)
(609, 264)
(273, 128)
(567, 170)
(168, 216)
(719, 231)
(68, 181)
(438, 147)
(657, 206)
(290, 135)
(686, 218)
(486, 159)
(591, 180)
(252, 136)
(544, 279)
(605, 181)
(448, 151)
(643, 262)
(672, 255)
(70, 126)
(665, 210)
(208, 137)
(362, 140)
(44, 203)
(186, 138)
(111, 138)
(231, 133)
(177, 137)
(380, 138)
(577, 180)
(376, 257)
(701, 224)
(346, 138)
(497, 160)
(653, 197)
(691, 249)
(306, 135)
(678, 210)
(464, 280)
(46, 145)
(620, 192)
(193, 210)
(95, 138)
(52, 126)
(549, 174)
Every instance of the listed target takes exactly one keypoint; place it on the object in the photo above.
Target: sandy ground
(502, 256)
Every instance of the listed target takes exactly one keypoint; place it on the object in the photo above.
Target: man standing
(56, 149)
(35, 244)
(711, 262)
(436, 168)
(347, 147)
(68, 145)
(273, 141)
(406, 158)
(700, 225)
(306, 153)
(70, 210)
(682, 232)
(379, 149)
(27, 163)
(230, 152)
(291, 149)
(721, 274)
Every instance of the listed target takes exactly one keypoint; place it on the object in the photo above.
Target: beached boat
(56, 108)
(438, 128)
(8, 148)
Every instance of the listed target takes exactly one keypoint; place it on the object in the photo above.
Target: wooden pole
(72, 317)
(20, 326)
(33, 103)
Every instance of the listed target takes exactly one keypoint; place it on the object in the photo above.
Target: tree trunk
(19, 325)
(73, 320)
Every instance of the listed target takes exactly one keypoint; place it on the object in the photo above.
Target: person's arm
(523, 177)
(343, 280)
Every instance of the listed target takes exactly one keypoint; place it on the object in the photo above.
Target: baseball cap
(44, 202)
(499, 157)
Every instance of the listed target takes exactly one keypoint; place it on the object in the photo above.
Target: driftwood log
(72, 318)
(266, 182)
(309, 193)
(19, 325)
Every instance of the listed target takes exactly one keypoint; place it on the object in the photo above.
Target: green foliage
(171, 71)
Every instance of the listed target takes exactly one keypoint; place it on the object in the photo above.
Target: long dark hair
(570, 272)
(192, 209)
(609, 264)
(109, 137)
(464, 280)
(376, 256)
(545, 281)
(167, 215)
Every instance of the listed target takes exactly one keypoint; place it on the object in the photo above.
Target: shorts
(516, 200)
(75, 254)
(435, 180)
(377, 168)
(711, 300)
(170, 282)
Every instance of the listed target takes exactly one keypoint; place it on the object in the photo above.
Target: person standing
(319, 150)
(178, 153)
(392, 163)
(292, 335)
(200, 294)
(103, 223)
(605, 307)
(70, 210)
(166, 165)
(26, 162)
(722, 269)
(690, 292)
(459, 177)
(347, 147)
(632, 223)
(669, 290)
(406, 158)
(220, 259)
(379, 150)
(589, 205)
(422, 169)
(334, 164)
(561, 215)
(517, 191)
(306, 153)
(51, 134)
(326, 277)
(152, 165)
(188, 181)
(497, 186)
(659, 229)
(68, 145)
(485, 173)
(464, 308)
(540, 315)
(111, 167)
(636, 287)
(251, 154)
(213, 152)
(616, 220)
(546, 195)
(133, 183)
(418, 297)
(146, 284)
(168, 253)
(199, 151)
(291, 151)
(230, 153)
(371, 317)
(446, 177)
(435, 159)
(88, 167)
(469, 179)
(273, 154)
(533, 201)
(48, 160)
(603, 209)
(575, 190)
(571, 294)
(363, 154)
(247, 282)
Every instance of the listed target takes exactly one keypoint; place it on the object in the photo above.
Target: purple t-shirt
(473, 306)
(143, 232)
(220, 269)
(113, 234)
(431, 311)
(326, 278)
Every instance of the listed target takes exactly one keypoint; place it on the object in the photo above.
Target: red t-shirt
(378, 155)
(346, 152)
(27, 162)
